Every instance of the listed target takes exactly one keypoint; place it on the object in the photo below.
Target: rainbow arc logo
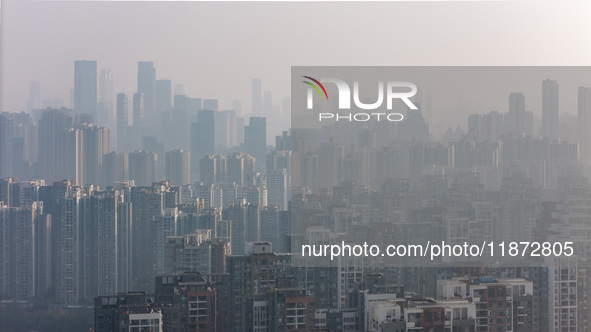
(315, 86)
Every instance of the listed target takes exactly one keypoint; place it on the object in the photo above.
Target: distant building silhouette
(85, 87)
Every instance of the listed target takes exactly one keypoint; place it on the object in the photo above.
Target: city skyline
(200, 80)
(164, 168)
(221, 225)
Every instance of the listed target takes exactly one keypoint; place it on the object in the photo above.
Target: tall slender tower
(139, 122)
(550, 109)
(517, 112)
(105, 116)
(255, 140)
(53, 127)
(6, 147)
(178, 167)
(142, 167)
(122, 122)
(146, 84)
(85, 92)
(584, 113)
(202, 138)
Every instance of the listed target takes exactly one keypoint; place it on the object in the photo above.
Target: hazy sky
(215, 49)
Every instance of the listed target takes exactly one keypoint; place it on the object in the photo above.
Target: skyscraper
(18, 256)
(70, 258)
(202, 138)
(517, 112)
(255, 140)
(115, 168)
(92, 143)
(278, 188)
(6, 147)
(146, 84)
(240, 131)
(105, 253)
(142, 167)
(105, 116)
(106, 85)
(85, 94)
(122, 122)
(52, 130)
(584, 123)
(225, 129)
(239, 166)
(550, 109)
(139, 123)
(178, 167)
(212, 169)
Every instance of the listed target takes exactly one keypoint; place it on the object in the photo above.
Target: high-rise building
(279, 159)
(106, 231)
(508, 300)
(6, 147)
(517, 113)
(166, 225)
(249, 288)
(202, 138)
(255, 140)
(85, 90)
(212, 195)
(239, 166)
(584, 123)
(92, 143)
(271, 227)
(22, 244)
(9, 192)
(237, 213)
(213, 169)
(106, 86)
(240, 131)
(123, 134)
(53, 128)
(142, 167)
(146, 84)
(550, 116)
(255, 195)
(178, 167)
(25, 150)
(225, 129)
(147, 204)
(105, 116)
(115, 168)
(197, 251)
(139, 121)
(126, 312)
(278, 188)
(69, 283)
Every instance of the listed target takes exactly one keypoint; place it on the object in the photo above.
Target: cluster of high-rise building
(170, 214)
(56, 143)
